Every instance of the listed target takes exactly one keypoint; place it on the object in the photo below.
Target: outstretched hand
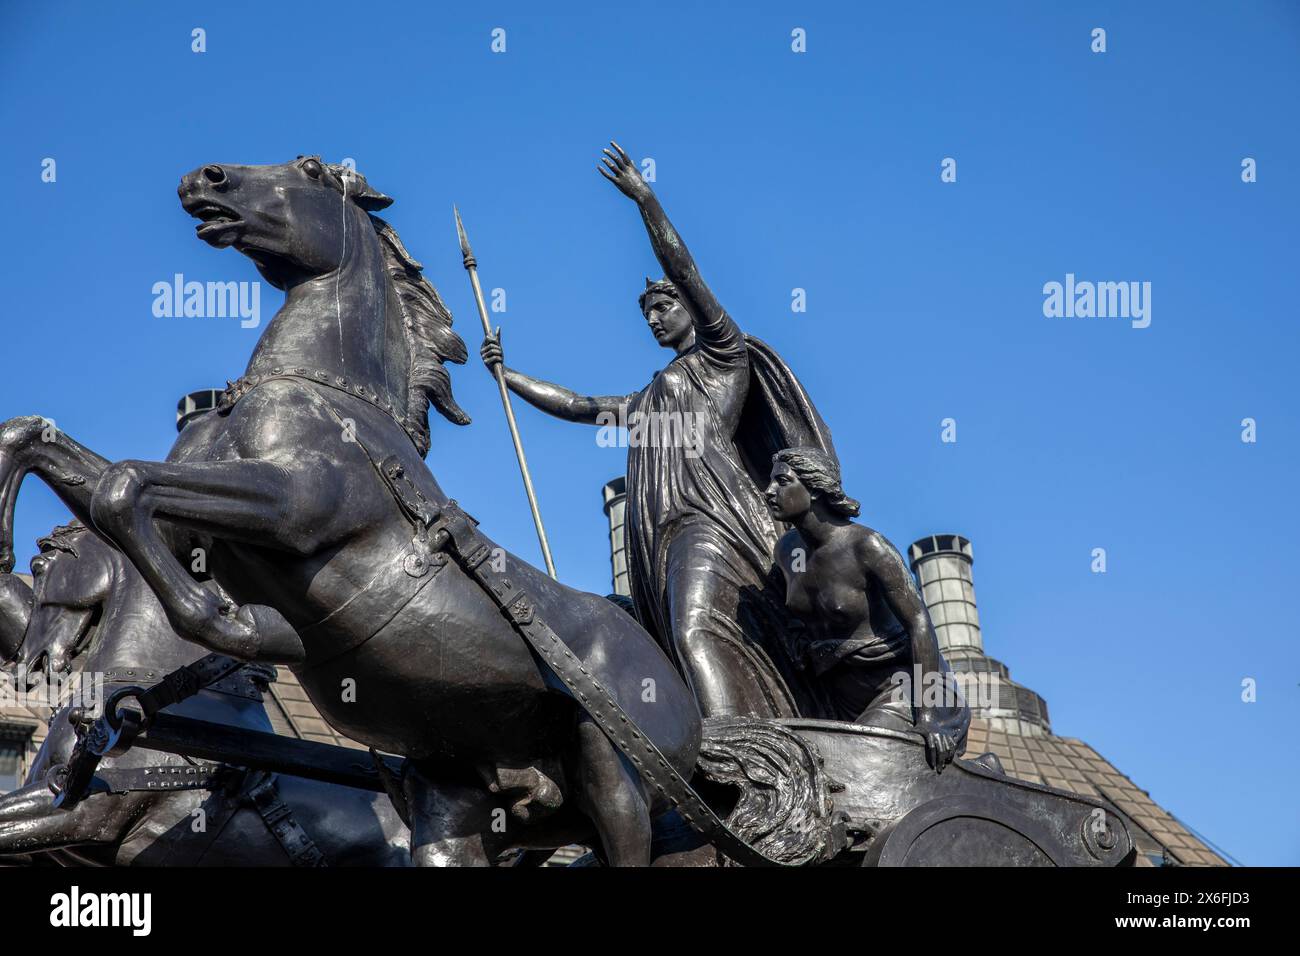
(622, 172)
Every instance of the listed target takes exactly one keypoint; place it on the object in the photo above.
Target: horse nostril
(215, 175)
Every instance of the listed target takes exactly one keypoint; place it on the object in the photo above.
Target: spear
(471, 266)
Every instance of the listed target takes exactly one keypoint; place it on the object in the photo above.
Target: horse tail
(783, 807)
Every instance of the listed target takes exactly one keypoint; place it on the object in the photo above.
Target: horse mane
(429, 339)
(62, 538)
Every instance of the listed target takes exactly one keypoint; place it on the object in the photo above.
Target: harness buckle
(422, 559)
(521, 609)
(417, 507)
(454, 528)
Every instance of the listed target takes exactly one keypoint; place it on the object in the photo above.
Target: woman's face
(669, 321)
(786, 496)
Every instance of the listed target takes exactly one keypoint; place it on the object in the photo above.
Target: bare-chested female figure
(869, 632)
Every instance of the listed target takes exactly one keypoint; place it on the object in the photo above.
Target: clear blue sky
(818, 171)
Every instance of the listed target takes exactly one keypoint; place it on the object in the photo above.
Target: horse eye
(312, 169)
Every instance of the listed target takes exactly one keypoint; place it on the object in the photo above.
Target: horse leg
(15, 613)
(33, 444)
(251, 501)
(450, 823)
(610, 794)
(30, 823)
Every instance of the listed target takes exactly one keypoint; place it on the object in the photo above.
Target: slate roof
(1070, 764)
(293, 714)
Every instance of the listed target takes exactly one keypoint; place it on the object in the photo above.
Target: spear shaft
(471, 266)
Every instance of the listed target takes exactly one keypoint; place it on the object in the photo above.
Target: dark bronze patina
(869, 640)
(519, 705)
(293, 488)
(699, 537)
(94, 615)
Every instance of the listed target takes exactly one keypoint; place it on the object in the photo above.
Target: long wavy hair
(820, 474)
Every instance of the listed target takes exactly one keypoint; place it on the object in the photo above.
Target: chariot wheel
(964, 830)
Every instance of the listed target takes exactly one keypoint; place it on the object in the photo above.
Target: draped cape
(714, 500)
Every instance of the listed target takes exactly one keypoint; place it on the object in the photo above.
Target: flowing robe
(700, 538)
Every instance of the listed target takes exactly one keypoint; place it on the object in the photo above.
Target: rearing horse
(306, 490)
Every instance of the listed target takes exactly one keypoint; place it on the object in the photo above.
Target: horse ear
(360, 191)
(372, 200)
(648, 283)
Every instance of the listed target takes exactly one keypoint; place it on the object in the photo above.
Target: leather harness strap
(263, 796)
(185, 682)
(239, 682)
(213, 672)
(455, 530)
(447, 528)
(167, 777)
(370, 609)
(113, 732)
(278, 817)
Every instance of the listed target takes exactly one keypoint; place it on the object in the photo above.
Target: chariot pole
(471, 266)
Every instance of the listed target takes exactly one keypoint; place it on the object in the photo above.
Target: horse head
(309, 228)
(91, 610)
(288, 218)
(71, 583)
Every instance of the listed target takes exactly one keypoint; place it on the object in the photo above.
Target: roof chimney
(195, 404)
(615, 495)
(942, 565)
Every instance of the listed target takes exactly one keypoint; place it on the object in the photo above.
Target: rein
(82, 776)
(372, 607)
(445, 531)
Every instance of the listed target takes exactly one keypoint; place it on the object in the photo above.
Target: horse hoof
(277, 641)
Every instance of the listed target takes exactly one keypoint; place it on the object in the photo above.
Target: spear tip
(466, 253)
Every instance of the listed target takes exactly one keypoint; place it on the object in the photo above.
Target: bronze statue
(530, 715)
(94, 615)
(409, 628)
(15, 611)
(870, 642)
(699, 538)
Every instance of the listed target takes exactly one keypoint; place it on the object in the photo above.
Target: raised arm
(941, 725)
(714, 328)
(551, 398)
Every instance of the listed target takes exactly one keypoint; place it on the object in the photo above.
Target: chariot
(799, 791)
